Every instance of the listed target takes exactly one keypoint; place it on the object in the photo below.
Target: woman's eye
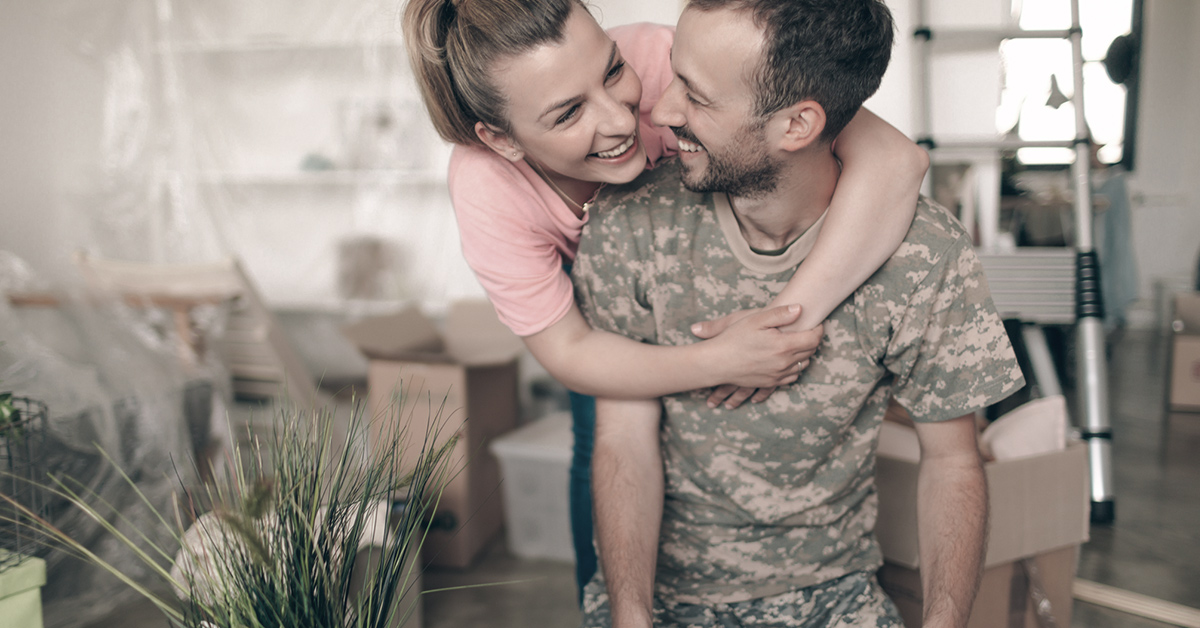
(616, 70)
(567, 115)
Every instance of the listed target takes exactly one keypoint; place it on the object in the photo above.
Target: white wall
(969, 79)
(616, 12)
(1166, 185)
(49, 132)
(894, 100)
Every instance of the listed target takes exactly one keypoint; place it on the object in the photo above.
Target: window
(1038, 79)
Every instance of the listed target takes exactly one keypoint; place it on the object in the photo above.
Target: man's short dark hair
(831, 51)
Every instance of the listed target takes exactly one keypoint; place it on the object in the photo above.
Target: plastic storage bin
(21, 593)
(535, 465)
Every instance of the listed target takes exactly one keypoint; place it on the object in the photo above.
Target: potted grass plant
(277, 538)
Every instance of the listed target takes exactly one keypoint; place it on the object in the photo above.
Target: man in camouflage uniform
(763, 515)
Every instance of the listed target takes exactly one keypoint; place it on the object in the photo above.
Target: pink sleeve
(516, 233)
(647, 49)
(510, 240)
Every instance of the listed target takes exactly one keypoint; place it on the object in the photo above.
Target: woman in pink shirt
(545, 108)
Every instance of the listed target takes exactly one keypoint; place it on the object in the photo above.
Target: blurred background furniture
(252, 345)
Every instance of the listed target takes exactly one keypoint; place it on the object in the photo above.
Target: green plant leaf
(288, 517)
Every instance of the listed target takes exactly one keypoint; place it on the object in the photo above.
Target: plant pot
(21, 591)
(22, 443)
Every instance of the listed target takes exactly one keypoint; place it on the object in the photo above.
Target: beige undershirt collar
(788, 259)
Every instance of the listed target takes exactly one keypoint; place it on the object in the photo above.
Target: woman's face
(573, 107)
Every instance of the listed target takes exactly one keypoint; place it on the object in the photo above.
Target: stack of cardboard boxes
(1184, 395)
(461, 381)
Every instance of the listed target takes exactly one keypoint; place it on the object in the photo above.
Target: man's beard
(743, 170)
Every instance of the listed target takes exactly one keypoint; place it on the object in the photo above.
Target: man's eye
(692, 99)
(567, 115)
(616, 70)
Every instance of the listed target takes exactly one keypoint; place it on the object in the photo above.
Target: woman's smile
(619, 151)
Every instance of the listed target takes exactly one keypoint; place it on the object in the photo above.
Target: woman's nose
(618, 117)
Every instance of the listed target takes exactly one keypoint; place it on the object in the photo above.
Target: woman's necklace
(584, 208)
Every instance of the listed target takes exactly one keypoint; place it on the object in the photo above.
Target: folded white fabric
(1036, 427)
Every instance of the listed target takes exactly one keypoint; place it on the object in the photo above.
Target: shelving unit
(296, 129)
(267, 45)
(349, 178)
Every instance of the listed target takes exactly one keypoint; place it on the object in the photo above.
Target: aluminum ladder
(1039, 285)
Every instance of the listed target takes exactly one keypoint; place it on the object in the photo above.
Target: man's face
(710, 105)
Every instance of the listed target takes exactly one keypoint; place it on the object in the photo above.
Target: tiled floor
(541, 593)
(1152, 548)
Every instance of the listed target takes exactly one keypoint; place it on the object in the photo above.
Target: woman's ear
(499, 141)
(805, 123)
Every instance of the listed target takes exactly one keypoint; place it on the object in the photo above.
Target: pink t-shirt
(516, 232)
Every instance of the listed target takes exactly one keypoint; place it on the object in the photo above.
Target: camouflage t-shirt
(776, 496)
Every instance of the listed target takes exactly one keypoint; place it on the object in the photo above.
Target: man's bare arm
(627, 486)
(952, 505)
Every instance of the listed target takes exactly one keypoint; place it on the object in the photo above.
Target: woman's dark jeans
(583, 414)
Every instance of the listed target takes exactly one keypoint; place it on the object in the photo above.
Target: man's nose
(668, 110)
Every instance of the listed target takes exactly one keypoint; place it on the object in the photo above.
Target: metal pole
(1091, 362)
(1040, 360)
(924, 121)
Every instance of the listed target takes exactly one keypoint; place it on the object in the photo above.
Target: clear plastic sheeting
(287, 133)
(113, 382)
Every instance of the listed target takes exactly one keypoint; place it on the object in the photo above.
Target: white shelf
(272, 45)
(259, 91)
(325, 177)
(351, 308)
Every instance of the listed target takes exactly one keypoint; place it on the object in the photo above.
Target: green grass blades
(274, 540)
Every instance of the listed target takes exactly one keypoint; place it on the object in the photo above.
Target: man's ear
(499, 141)
(805, 123)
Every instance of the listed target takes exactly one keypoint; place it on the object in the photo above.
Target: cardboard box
(1006, 592)
(21, 593)
(1184, 387)
(536, 465)
(1036, 504)
(1180, 438)
(470, 373)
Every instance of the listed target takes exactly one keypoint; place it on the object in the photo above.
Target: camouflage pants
(852, 601)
